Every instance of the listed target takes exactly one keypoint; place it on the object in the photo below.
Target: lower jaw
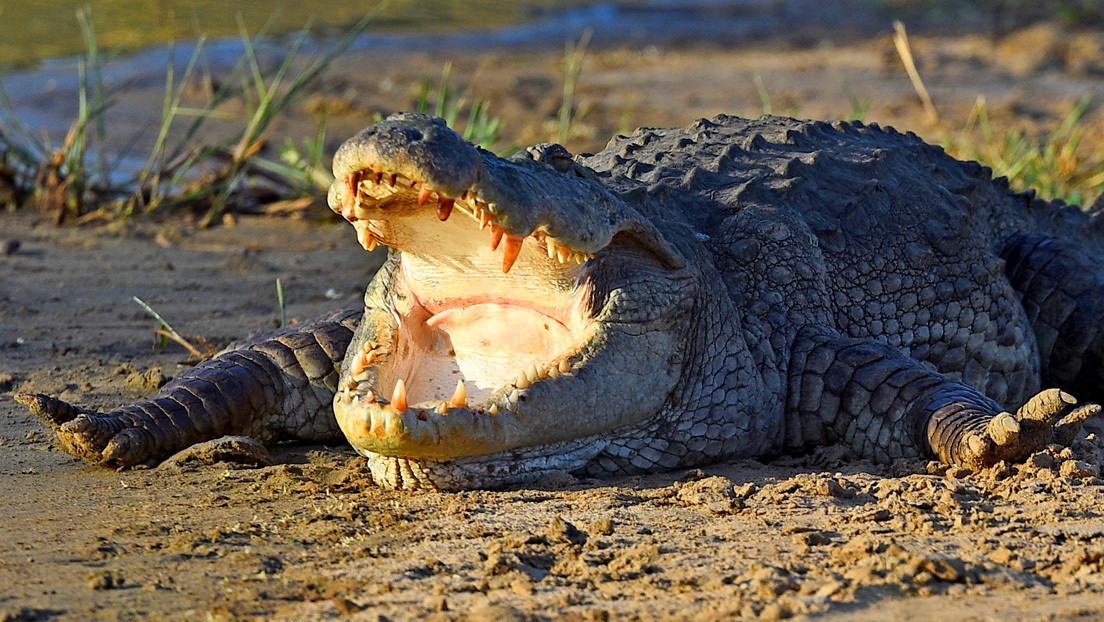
(505, 468)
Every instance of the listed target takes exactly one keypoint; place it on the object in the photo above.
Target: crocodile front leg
(277, 385)
(884, 405)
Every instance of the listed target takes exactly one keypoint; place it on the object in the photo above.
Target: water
(49, 34)
(32, 30)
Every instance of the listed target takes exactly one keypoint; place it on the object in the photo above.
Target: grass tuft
(166, 333)
(481, 128)
(181, 173)
(574, 55)
(1056, 165)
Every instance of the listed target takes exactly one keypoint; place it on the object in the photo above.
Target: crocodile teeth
(360, 363)
(423, 195)
(352, 189)
(563, 253)
(522, 381)
(564, 366)
(515, 395)
(484, 219)
(553, 372)
(369, 397)
(444, 208)
(496, 236)
(442, 408)
(551, 249)
(493, 409)
(510, 254)
(532, 373)
(459, 398)
(366, 239)
(398, 398)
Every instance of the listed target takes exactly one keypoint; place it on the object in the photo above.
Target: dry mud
(310, 538)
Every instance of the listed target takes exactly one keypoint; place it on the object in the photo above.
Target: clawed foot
(87, 435)
(1052, 416)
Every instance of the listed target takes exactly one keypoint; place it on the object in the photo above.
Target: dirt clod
(105, 580)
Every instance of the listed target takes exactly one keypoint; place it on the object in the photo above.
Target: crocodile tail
(276, 385)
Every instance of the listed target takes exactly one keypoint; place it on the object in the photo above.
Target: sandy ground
(312, 539)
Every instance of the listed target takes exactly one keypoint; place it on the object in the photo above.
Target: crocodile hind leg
(277, 385)
(1063, 298)
(885, 405)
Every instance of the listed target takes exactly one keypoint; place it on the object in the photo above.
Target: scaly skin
(732, 288)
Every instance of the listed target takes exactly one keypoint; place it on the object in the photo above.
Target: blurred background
(132, 106)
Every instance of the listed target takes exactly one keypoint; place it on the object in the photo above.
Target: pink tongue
(491, 330)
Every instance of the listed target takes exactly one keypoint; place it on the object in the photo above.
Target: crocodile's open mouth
(525, 308)
(478, 319)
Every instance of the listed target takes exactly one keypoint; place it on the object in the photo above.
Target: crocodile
(733, 288)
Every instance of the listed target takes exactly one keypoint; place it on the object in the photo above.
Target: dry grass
(77, 181)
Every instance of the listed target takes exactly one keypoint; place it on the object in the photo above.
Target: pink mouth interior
(487, 342)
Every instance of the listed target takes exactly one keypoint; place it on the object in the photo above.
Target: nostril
(414, 134)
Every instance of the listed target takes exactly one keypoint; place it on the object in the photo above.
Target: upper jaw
(517, 198)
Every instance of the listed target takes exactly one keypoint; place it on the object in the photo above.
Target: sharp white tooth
(515, 395)
(442, 408)
(360, 363)
(493, 409)
(564, 366)
(532, 373)
(522, 381)
(460, 396)
(511, 251)
(496, 236)
(551, 248)
(366, 239)
(398, 398)
(563, 253)
(553, 372)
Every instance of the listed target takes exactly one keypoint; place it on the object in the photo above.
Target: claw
(1003, 429)
(1069, 426)
(1048, 406)
(976, 444)
(50, 410)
